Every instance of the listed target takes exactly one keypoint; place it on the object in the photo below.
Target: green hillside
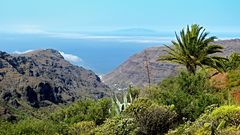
(202, 99)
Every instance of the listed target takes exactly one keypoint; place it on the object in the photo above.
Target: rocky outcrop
(41, 78)
(134, 72)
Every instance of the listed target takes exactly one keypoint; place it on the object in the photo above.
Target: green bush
(84, 110)
(118, 125)
(150, 118)
(33, 126)
(223, 120)
(233, 78)
(189, 93)
(5, 128)
(82, 128)
(134, 92)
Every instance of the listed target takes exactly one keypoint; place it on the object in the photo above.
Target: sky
(107, 15)
(84, 31)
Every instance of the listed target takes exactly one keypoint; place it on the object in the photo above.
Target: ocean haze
(100, 52)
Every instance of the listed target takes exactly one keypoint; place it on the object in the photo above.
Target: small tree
(151, 118)
(231, 63)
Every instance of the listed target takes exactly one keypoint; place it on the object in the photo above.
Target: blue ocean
(98, 53)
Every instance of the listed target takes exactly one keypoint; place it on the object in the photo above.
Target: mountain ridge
(43, 77)
(134, 72)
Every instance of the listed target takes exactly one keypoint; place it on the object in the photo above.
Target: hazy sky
(104, 15)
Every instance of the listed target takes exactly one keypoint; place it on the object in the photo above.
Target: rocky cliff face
(41, 78)
(134, 71)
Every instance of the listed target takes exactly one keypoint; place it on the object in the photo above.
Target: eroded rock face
(43, 92)
(43, 77)
(31, 97)
(48, 93)
(133, 70)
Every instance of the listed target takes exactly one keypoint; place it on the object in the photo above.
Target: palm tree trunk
(191, 69)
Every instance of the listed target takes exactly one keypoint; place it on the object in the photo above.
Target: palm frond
(192, 48)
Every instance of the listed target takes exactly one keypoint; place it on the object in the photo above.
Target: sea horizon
(100, 53)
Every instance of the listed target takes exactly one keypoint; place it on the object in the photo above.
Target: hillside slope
(41, 78)
(133, 71)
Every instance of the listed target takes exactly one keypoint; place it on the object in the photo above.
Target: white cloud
(27, 29)
(70, 57)
(22, 52)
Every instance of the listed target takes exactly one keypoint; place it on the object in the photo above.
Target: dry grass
(219, 80)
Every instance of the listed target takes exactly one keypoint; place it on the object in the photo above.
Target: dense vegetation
(184, 104)
(188, 103)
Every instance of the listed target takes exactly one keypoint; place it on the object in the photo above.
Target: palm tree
(232, 62)
(192, 49)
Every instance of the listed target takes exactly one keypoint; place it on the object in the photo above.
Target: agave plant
(118, 106)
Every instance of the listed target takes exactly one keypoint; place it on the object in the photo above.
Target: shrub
(5, 127)
(134, 92)
(233, 78)
(118, 125)
(222, 120)
(189, 93)
(82, 128)
(84, 110)
(32, 126)
(151, 118)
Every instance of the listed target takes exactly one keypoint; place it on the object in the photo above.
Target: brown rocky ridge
(43, 77)
(134, 72)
